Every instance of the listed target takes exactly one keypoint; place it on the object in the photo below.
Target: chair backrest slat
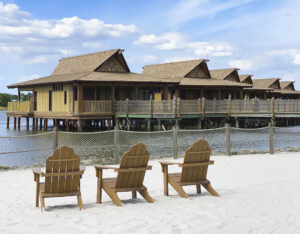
(136, 157)
(66, 165)
(199, 152)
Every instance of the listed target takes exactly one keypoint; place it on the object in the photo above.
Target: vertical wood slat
(201, 153)
(133, 179)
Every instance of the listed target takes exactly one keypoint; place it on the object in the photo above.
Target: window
(35, 100)
(65, 97)
(59, 87)
(50, 100)
(88, 93)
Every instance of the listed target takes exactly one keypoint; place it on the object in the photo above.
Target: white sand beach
(259, 194)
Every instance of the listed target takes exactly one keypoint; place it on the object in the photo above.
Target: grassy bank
(3, 108)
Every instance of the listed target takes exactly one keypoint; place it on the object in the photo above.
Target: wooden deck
(175, 108)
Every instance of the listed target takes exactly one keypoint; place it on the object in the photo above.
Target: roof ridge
(82, 55)
(232, 68)
(192, 60)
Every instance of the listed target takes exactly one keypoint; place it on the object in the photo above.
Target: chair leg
(178, 188)
(79, 200)
(42, 203)
(113, 195)
(166, 188)
(99, 191)
(211, 190)
(146, 195)
(133, 194)
(37, 195)
(198, 188)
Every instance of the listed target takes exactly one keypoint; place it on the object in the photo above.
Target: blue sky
(261, 37)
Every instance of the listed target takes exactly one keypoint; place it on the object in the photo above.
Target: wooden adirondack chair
(62, 176)
(194, 170)
(131, 173)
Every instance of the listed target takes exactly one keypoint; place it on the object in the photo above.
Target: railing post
(174, 106)
(273, 107)
(227, 133)
(245, 104)
(199, 106)
(116, 144)
(175, 143)
(151, 106)
(127, 107)
(203, 108)
(229, 106)
(271, 138)
(55, 141)
(178, 107)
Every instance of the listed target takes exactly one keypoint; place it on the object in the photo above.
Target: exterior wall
(58, 104)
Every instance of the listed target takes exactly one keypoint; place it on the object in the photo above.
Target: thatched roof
(269, 83)
(225, 74)
(175, 69)
(87, 62)
(246, 79)
(287, 85)
(211, 82)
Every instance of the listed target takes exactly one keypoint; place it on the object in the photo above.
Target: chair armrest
(82, 168)
(166, 163)
(104, 167)
(37, 172)
(99, 169)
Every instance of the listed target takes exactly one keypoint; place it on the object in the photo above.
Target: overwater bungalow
(197, 81)
(288, 91)
(99, 91)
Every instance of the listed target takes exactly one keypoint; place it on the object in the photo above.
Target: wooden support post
(175, 143)
(7, 123)
(33, 123)
(227, 139)
(41, 123)
(67, 125)
(159, 125)
(19, 123)
(15, 123)
(237, 123)
(271, 142)
(55, 123)
(45, 124)
(127, 107)
(128, 124)
(177, 123)
(273, 108)
(79, 125)
(27, 123)
(109, 124)
(199, 123)
(149, 125)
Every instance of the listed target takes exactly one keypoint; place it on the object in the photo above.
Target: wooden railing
(177, 107)
(99, 107)
(23, 107)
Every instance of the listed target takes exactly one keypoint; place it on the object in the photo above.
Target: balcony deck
(172, 109)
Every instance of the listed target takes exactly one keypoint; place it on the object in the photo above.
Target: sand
(259, 194)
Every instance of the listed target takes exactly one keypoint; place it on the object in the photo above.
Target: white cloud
(241, 63)
(149, 58)
(30, 40)
(187, 10)
(177, 59)
(296, 60)
(178, 41)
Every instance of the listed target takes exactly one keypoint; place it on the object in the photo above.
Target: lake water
(27, 148)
